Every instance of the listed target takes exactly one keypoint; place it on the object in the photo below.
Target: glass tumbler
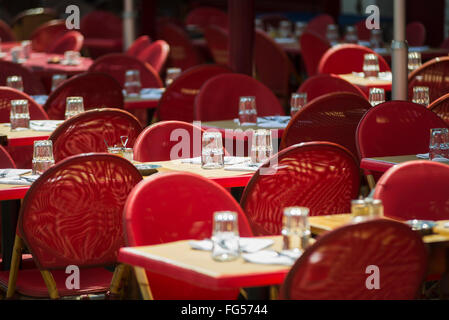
(16, 54)
(332, 34)
(42, 156)
(261, 146)
(439, 143)
(212, 151)
(225, 236)
(19, 115)
(295, 229)
(370, 65)
(72, 57)
(376, 96)
(172, 74)
(26, 48)
(376, 40)
(56, 80)
(414, 61)
(132, 83)
(421, 95)
(15, 82)
(351, 35)
(247, 111)
(285, 29)
(74, 106)
(297, 101)
(300, 27)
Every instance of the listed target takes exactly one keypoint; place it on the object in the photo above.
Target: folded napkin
(227, 160)
(248, 245)
(40, 99)
(19, 180)
(442, 160)
(245, 166)
(423, 155)
(146, 166)
(284, 257)
(45, 125)
(437, 159)
(151, 93)
(13, 172)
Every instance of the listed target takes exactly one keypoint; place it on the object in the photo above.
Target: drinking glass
(172, 74)
(74, 106)
(225, 236)
(439, 143)
(421, 95)
(295, 229)
(285, 29)
(126, 153)
(297, 101)
(15, 82)
(376, 40)
(26, 48)
(72, 57)
(376, 96)
(414, 61)
(42, 156)
(19, 115)
(375, 207)
(300, 27)
(351, 35)
(212, 151)
(56, 80)
(370, 65)
(132, 83)
(16, 54)
(261, 146)
(359, 210)
(258, 24)
(247, 111)
(332, 34)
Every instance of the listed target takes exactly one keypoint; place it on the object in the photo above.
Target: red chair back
(26, 22)
(321, 176)
(396, 128)
(91, 130)
(138, 45)
(335, 267)
(272, 64)
(116, 65)
(217, 41)
(101, 24)
(333, 117)
(6, 33)
(31, 83)
(203, 17)
(362, 32)
(346, 58)
(441, 107)
(7, 94)
(322, 84)
(319, 24)
(6, 161)
(44, 37)
(182, 52)
(83, 224)
(155, 54)
(178, 99)
(313, 47)
(431, 74)
(164, 141)
(415, 33)
(411, 180)
(70, 41)
(218, 98)
(150, 216)
(99, 90)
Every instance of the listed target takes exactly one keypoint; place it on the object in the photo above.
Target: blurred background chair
(138, 45)
(415, 33)
(70, 41)
(203, 17)
(155, 54)
(319, 24)
(6, 33)
(26, 22)
(217, 41)
(43, 38)
(313, 47)
(32, 85)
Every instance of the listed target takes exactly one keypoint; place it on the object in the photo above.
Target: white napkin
(19, 180)
(284, 257)
(248, 245)
(45, 125)
(423, 155)
(387, 76)
(151, 93)
(245, 166)
(13, 172)
(228, 160)
(442, 160)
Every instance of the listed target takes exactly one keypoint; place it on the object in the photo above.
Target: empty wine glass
(74, 106)
(261, 146)
(295, 229)
(212, 151)
(225, 236)
(42, 156)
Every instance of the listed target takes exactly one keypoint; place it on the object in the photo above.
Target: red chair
(441, 107)
(332, 117)
(116, 65)
(272, 64)
(31, 83)
(411, 180)
(102, 33)
(81, 227)
(99, 90)
(7, 94)
(313, 47)
(91, 130)
(346, 58)
(155, 142)
(6, 33)
(335, 267)
(362, 32)
(322, 176)
(415, 33)
(71, 41)
(44, 37)
(26, 22)
(6, 161)
(156, 203)
(431, 74)
(218, 98)
(445, 44)
(178, 99)
(155, 54)
(319, 24)
(138, 45)
(322, 84)
(182, 52)
(203, 17)
(217, 41)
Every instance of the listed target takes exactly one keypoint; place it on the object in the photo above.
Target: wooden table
(367, 83)
(20, 138)
(382, 164)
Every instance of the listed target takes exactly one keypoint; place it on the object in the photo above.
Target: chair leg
(15, 263)
(142, 280)
(50, 283)
(371, 181)
(274, 292)
(120, 273)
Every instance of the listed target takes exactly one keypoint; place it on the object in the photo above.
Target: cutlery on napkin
(284, 257)
(248, 245)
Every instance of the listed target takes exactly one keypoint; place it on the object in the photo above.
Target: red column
(241, 35)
